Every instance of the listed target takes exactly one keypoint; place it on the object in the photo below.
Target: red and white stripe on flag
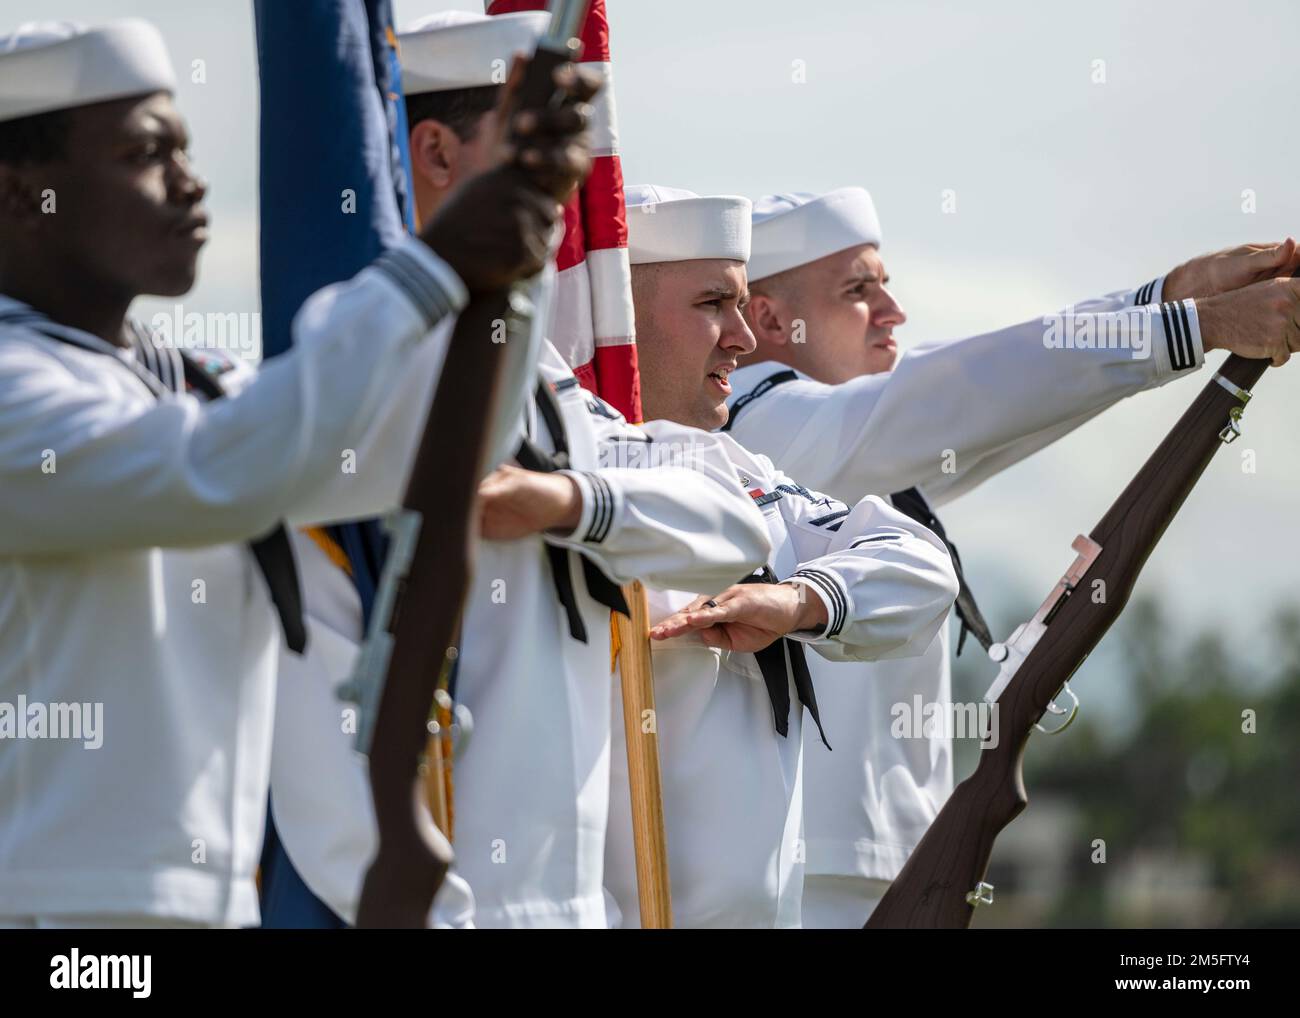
(594, 325)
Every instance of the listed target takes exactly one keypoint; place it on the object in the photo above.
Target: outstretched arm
(951, 415)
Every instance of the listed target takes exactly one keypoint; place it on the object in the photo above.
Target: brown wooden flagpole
(641, 728)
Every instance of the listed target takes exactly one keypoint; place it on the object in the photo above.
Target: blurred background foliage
(1179, 808)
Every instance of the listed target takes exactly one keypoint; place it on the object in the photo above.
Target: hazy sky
(1066, 187)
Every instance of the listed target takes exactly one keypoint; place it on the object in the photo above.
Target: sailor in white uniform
(137, 630)
(531, 790)
(851, 581)
(819, 397)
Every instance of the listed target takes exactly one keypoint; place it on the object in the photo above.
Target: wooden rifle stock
(438, 513)
(413, 857)
(937, 888)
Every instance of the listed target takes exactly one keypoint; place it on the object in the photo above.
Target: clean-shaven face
(689, 332)
(476, 153)
(848, 315)
(130, 209)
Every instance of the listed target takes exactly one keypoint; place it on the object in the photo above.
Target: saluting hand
(746, 616)
(1260, 321)
(515, 503)
(1231, 269)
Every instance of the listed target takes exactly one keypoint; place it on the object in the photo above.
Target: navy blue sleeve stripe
(424, 291)
(598, 510)
(1184, 334)
(874, 540)
(1174, 337)
(821, 521)
(837, 596)
(603, 515)
(1187, 336)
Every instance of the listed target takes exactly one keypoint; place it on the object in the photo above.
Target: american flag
(593, 322)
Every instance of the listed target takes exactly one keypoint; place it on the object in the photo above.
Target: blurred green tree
(1202, 793)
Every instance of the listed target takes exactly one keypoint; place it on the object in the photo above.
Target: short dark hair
(460, 109)
(786, 285)
(38, 138)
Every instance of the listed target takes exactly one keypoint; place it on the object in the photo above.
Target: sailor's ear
(435, 152)
(765, 316)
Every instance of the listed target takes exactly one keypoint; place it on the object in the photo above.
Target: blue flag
(334, 194)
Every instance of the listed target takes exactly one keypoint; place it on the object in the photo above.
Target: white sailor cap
(459, 49)
(55, 65)
(794, 229)
(669, 224)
